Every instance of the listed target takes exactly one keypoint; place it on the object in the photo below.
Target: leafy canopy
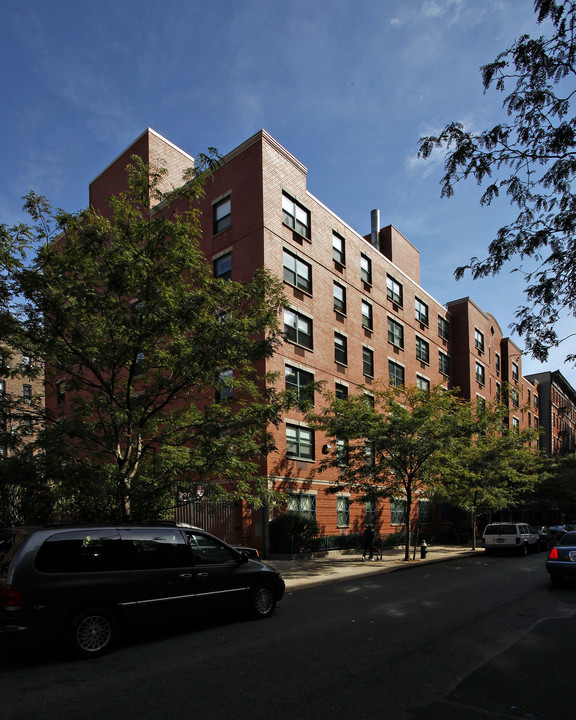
(140, 337)
(532, 159)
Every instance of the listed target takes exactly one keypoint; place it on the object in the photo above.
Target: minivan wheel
(92, 632)
(523, 550)
(262, 601)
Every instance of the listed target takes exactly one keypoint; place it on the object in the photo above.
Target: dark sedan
(561, 561)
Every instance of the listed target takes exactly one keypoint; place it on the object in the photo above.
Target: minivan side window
(156, 549)
(80, 552)
(208, 551)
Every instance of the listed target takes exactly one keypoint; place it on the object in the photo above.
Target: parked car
(556, 531)
(561, 560)
(85, 583)
(510, 537)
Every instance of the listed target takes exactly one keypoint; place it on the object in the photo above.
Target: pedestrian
(368, 543)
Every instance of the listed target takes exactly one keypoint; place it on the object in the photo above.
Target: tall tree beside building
(532, 159)
(390, 443)
(152, 361)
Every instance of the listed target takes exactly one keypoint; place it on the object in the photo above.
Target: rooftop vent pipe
(375, 227)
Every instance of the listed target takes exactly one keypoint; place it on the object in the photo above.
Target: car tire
(262, 601)
(92, 632)
(523, 550)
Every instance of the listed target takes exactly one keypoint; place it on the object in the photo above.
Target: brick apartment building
(21, 400)
(357, 313)
(557, 412)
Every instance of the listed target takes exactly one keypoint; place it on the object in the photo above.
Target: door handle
(185, 576)
(202, 575)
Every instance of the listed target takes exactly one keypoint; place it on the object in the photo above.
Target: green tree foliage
(555, 495)
(495, 468)
(128, 318)
(391, 444)
(532, 159)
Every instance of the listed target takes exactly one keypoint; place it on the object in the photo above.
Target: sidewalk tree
(138, 337)
(531, 157)
(389, 442)
(494, 469)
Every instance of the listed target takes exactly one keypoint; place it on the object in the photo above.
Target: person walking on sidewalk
(368, 543)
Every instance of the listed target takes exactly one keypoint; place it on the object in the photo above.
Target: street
(446, 641)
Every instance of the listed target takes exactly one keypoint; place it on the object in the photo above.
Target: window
(223, 266)
(302, 503)
(443, 363)
(222, 215)
(367, 320)
(295, 216)
(394, 291)
(370, 513)
(515, 372)
(297, 272)
(2, 388)
(516, 424)
(497, 361)
(480, 377)
(395, 333)
(338, 249)
(340, 349)
(368, 361)
(365, 269)
(27, 393)
(515, 399)
(422, 383)
(300, 381)
(224, 386)
(3, 451)
(498, 392)
(443, 328)
(339, 298)
(298, 328)
(421, 312)
(397, 512)
(481, 403)
(368, 453)
(299, 442)
(208, 551)
(343, 511)
(395, 373)
(422, 350)
(341, 391)
(83, 551)
(342, 453)
(479, 340)
(60, 392)
(424, 512)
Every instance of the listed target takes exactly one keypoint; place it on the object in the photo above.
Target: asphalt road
(472, 638)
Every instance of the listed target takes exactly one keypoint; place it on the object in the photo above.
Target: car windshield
(500, 530)
(568, 539)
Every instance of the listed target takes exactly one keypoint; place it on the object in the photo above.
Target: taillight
(12, 600)
(553, 554)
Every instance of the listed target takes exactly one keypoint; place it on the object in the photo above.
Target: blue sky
(347, 86)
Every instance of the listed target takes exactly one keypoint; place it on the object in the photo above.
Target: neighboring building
(357, 313)
(21, 400)
(557, 412)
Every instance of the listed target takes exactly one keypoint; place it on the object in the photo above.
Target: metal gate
(216, 518)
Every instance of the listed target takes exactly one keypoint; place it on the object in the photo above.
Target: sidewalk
(309, 572)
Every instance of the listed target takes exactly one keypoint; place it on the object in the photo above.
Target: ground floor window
(398, 512)
(302, 503)
(343, 511)
(370, 513)
(424, 512)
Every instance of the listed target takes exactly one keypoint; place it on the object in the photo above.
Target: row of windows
(26, 391)
(305, 503)
(298, 328)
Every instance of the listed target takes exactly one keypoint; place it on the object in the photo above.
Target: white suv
(510, 537)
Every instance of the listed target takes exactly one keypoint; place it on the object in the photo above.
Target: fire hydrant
(423, 550)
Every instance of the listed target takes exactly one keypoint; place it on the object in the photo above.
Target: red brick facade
(343, 290)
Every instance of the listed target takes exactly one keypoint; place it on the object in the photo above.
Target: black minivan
(85, 582)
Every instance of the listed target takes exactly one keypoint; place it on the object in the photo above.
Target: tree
(531, 158)
(492, 469)
(138, 339)
(390, 444)
(555, 496)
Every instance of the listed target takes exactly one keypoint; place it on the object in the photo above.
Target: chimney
(375, 227)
